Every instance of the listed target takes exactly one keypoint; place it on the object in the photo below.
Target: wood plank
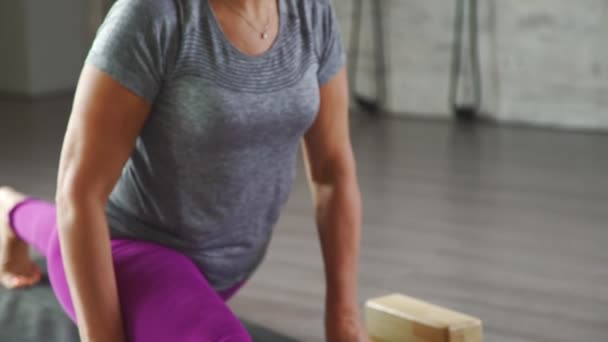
(399, 318)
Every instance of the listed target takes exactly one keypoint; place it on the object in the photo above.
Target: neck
(255, 8)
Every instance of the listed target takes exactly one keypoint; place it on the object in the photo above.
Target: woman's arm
(331, 171)
(105, 121)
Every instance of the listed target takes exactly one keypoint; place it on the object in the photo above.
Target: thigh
(163, 296)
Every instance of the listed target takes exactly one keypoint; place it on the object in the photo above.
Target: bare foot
(16, 267)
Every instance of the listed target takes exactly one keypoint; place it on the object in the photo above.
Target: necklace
(264, 33)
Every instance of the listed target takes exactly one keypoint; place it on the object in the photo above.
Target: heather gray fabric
(215, 161)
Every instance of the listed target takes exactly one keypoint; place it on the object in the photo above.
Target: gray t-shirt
(216, 159)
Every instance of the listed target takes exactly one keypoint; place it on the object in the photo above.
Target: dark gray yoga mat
(34, 315)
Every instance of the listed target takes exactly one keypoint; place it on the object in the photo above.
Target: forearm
(338, 216)
(86, 253)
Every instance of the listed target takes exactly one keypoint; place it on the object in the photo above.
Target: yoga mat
(33, 314)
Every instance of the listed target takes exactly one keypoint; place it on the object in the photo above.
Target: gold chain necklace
(264, 33)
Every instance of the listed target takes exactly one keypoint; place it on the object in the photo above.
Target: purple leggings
(164, 297)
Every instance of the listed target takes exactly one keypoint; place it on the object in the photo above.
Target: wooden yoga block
(398, 318)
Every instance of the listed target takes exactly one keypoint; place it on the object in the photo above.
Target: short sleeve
(331, 52)
(134, 44)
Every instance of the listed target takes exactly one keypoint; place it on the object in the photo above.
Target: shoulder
(310, 11)
(144, 12)
(316, 16)
(317, 5)
(145, 7)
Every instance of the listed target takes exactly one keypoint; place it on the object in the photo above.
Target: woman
(179, 154)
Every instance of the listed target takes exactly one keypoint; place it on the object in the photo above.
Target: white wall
(57, 44)
(13, 53)
(544, 62)
(44, 45)
(553, 63)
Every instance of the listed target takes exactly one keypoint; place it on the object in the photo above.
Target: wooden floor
(507, 224)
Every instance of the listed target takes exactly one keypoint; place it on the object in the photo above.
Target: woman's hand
(344, 326)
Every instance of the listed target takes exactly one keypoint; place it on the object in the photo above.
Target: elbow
(342, 187)
(335, 178)
(68, 193)
(339, 170)
(73, 200)
(73, 195)
(77, 186)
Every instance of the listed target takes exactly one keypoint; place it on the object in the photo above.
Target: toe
(10, 281)
(32, 279)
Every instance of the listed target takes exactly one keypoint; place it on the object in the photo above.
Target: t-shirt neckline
(274, 46)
